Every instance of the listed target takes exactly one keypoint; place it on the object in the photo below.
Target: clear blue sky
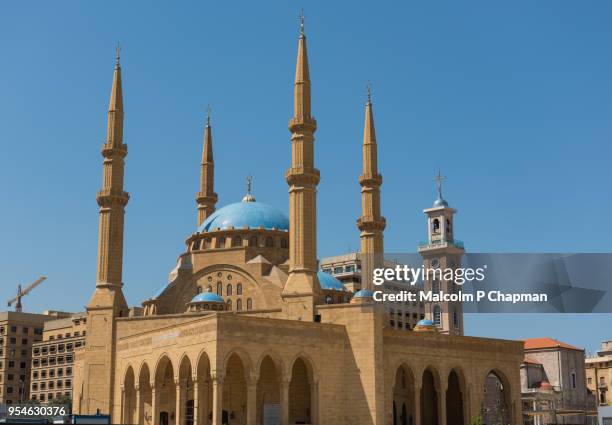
(512, 100)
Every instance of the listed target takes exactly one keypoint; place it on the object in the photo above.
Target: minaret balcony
(424, 245)
(302, 176)
(301, 124)
(374, 180)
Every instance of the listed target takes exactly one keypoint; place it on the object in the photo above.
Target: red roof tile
(538, 343)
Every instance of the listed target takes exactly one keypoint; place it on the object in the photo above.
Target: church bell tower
(441, 253)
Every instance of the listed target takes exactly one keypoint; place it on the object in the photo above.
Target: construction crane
(22, 293)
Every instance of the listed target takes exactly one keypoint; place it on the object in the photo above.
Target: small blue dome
(250, 214)
(207, 297)
(364, 293)
(425, 322)
(327, 281)
(440, 202)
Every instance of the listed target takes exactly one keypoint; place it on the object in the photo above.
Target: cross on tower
(249, 184)
(369, 87)
(438, 179)
(302, 21)
(118, 52)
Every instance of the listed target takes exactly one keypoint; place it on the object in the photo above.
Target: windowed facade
(52, 358)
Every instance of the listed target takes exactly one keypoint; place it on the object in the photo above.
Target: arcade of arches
(436, 400)
(160, 395)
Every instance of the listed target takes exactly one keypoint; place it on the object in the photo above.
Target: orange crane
(23, 293)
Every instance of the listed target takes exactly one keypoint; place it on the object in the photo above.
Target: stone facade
(289, 345)
(558, 384)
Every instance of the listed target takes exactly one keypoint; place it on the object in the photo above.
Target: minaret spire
(206, 198)
(108, 301)
(302, 289)
(112, 199)
(371, 223)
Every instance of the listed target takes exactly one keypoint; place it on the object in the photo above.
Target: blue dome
(251, 214)
(364, 293)
(440, 202)
(207, 297)
(425, 322)
(329, 282)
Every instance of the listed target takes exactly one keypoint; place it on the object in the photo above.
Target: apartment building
(53, 358)
(599, 374)
(18, 332)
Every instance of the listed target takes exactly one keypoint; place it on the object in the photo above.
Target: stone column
(178, 411)
(123, 406)
(442, 403)
(196, 400)
(217, 407)
(417, 405)
(138, 407)
(252, 400)
(154, 407)
(284, 401)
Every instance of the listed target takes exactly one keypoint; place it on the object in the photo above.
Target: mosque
(248, 331)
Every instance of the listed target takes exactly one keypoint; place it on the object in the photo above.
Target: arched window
(219, 288)
(435, 225)
(249, 304)
(229, 305)
(269, 242)
(228, 289)
(239, 289)
(239, 304)
(209, 288)
(196, 245)
(284, 243)
(448, 226)
(221, 242)
(207, 242)
(253, 241)
(437, 316)
(236, 241)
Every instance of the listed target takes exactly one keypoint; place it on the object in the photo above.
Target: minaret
(441, 252)
(206, 198)
(96, 377)
(302, 289)
(371, 223)
(112, 200)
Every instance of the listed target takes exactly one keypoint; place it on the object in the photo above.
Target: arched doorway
(203, 409)
(129, 396)
(235, 391)
(300, 397)
(185, 405)
(496, 406)
(165, 392)
(268, 391)
(146, 396)
(454, 400)
(403, 397)
(429, 399)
